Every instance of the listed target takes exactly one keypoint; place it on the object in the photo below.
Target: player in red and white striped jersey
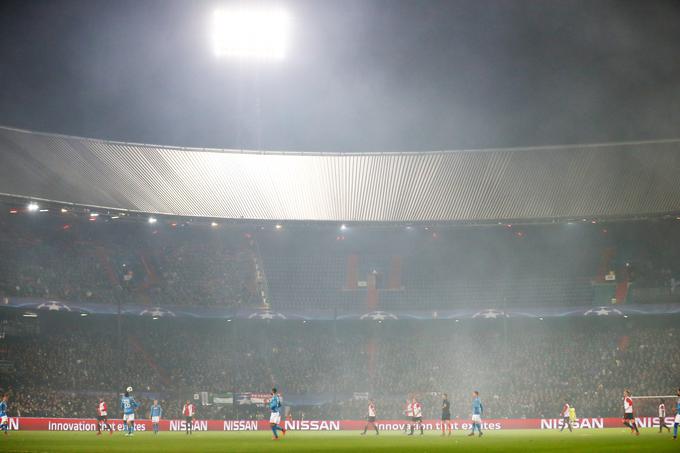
(102, 418)
(662, 416)
(565, 417)
(629, 414)
(189, 410)
(408, 411)
(417, 417)
(370, 418)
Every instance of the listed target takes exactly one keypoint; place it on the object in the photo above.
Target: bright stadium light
(32, 207)
(152, 220)
(256, 33)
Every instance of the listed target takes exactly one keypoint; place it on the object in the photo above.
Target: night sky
(366, 75)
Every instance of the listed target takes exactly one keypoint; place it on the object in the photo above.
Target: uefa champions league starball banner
(90, 425)
(197, 312)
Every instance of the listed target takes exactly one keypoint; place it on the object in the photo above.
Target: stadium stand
(489, 267)
(73, 259)
(523, 368)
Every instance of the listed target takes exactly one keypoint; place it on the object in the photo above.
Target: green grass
(609, 440)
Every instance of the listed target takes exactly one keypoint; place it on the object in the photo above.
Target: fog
(331, 317)
(360, 76)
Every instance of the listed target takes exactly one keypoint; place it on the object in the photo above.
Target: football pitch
(609, 440)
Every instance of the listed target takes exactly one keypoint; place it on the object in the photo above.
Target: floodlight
(343, 227)
(32, 207)
(213, 224)
(152, 220)
(255, 33)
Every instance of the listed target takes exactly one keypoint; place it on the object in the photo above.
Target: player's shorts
(446, 416)
(628, 416)
(371, 419)
(4, 420)
(417, 419)
(155, 419)
(275, 417)
(189, 419)
(128, 417)
(101, 418)
(677, 418)
(476, 418)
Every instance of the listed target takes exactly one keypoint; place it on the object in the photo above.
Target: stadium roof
(606, 180)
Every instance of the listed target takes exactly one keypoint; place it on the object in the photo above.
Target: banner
(90, 425)
(224, 398)
(38, 306)
(259, 399)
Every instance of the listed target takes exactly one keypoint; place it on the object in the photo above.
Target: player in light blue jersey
(676, 422)
(4, 418)
(156, 413)
(275, 417)
(477, 411)
(128, 406)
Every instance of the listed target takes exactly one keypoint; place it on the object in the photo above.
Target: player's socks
(675, 430)
(276, 436)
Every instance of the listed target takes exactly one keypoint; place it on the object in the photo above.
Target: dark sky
(365, 75)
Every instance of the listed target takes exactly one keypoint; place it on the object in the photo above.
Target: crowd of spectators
(522, 369)
(497, 266)
(83, 261)
(75, 259)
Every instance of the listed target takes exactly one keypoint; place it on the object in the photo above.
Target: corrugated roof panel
(549, 182)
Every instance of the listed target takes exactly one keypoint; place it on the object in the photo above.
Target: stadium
(324, 253)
